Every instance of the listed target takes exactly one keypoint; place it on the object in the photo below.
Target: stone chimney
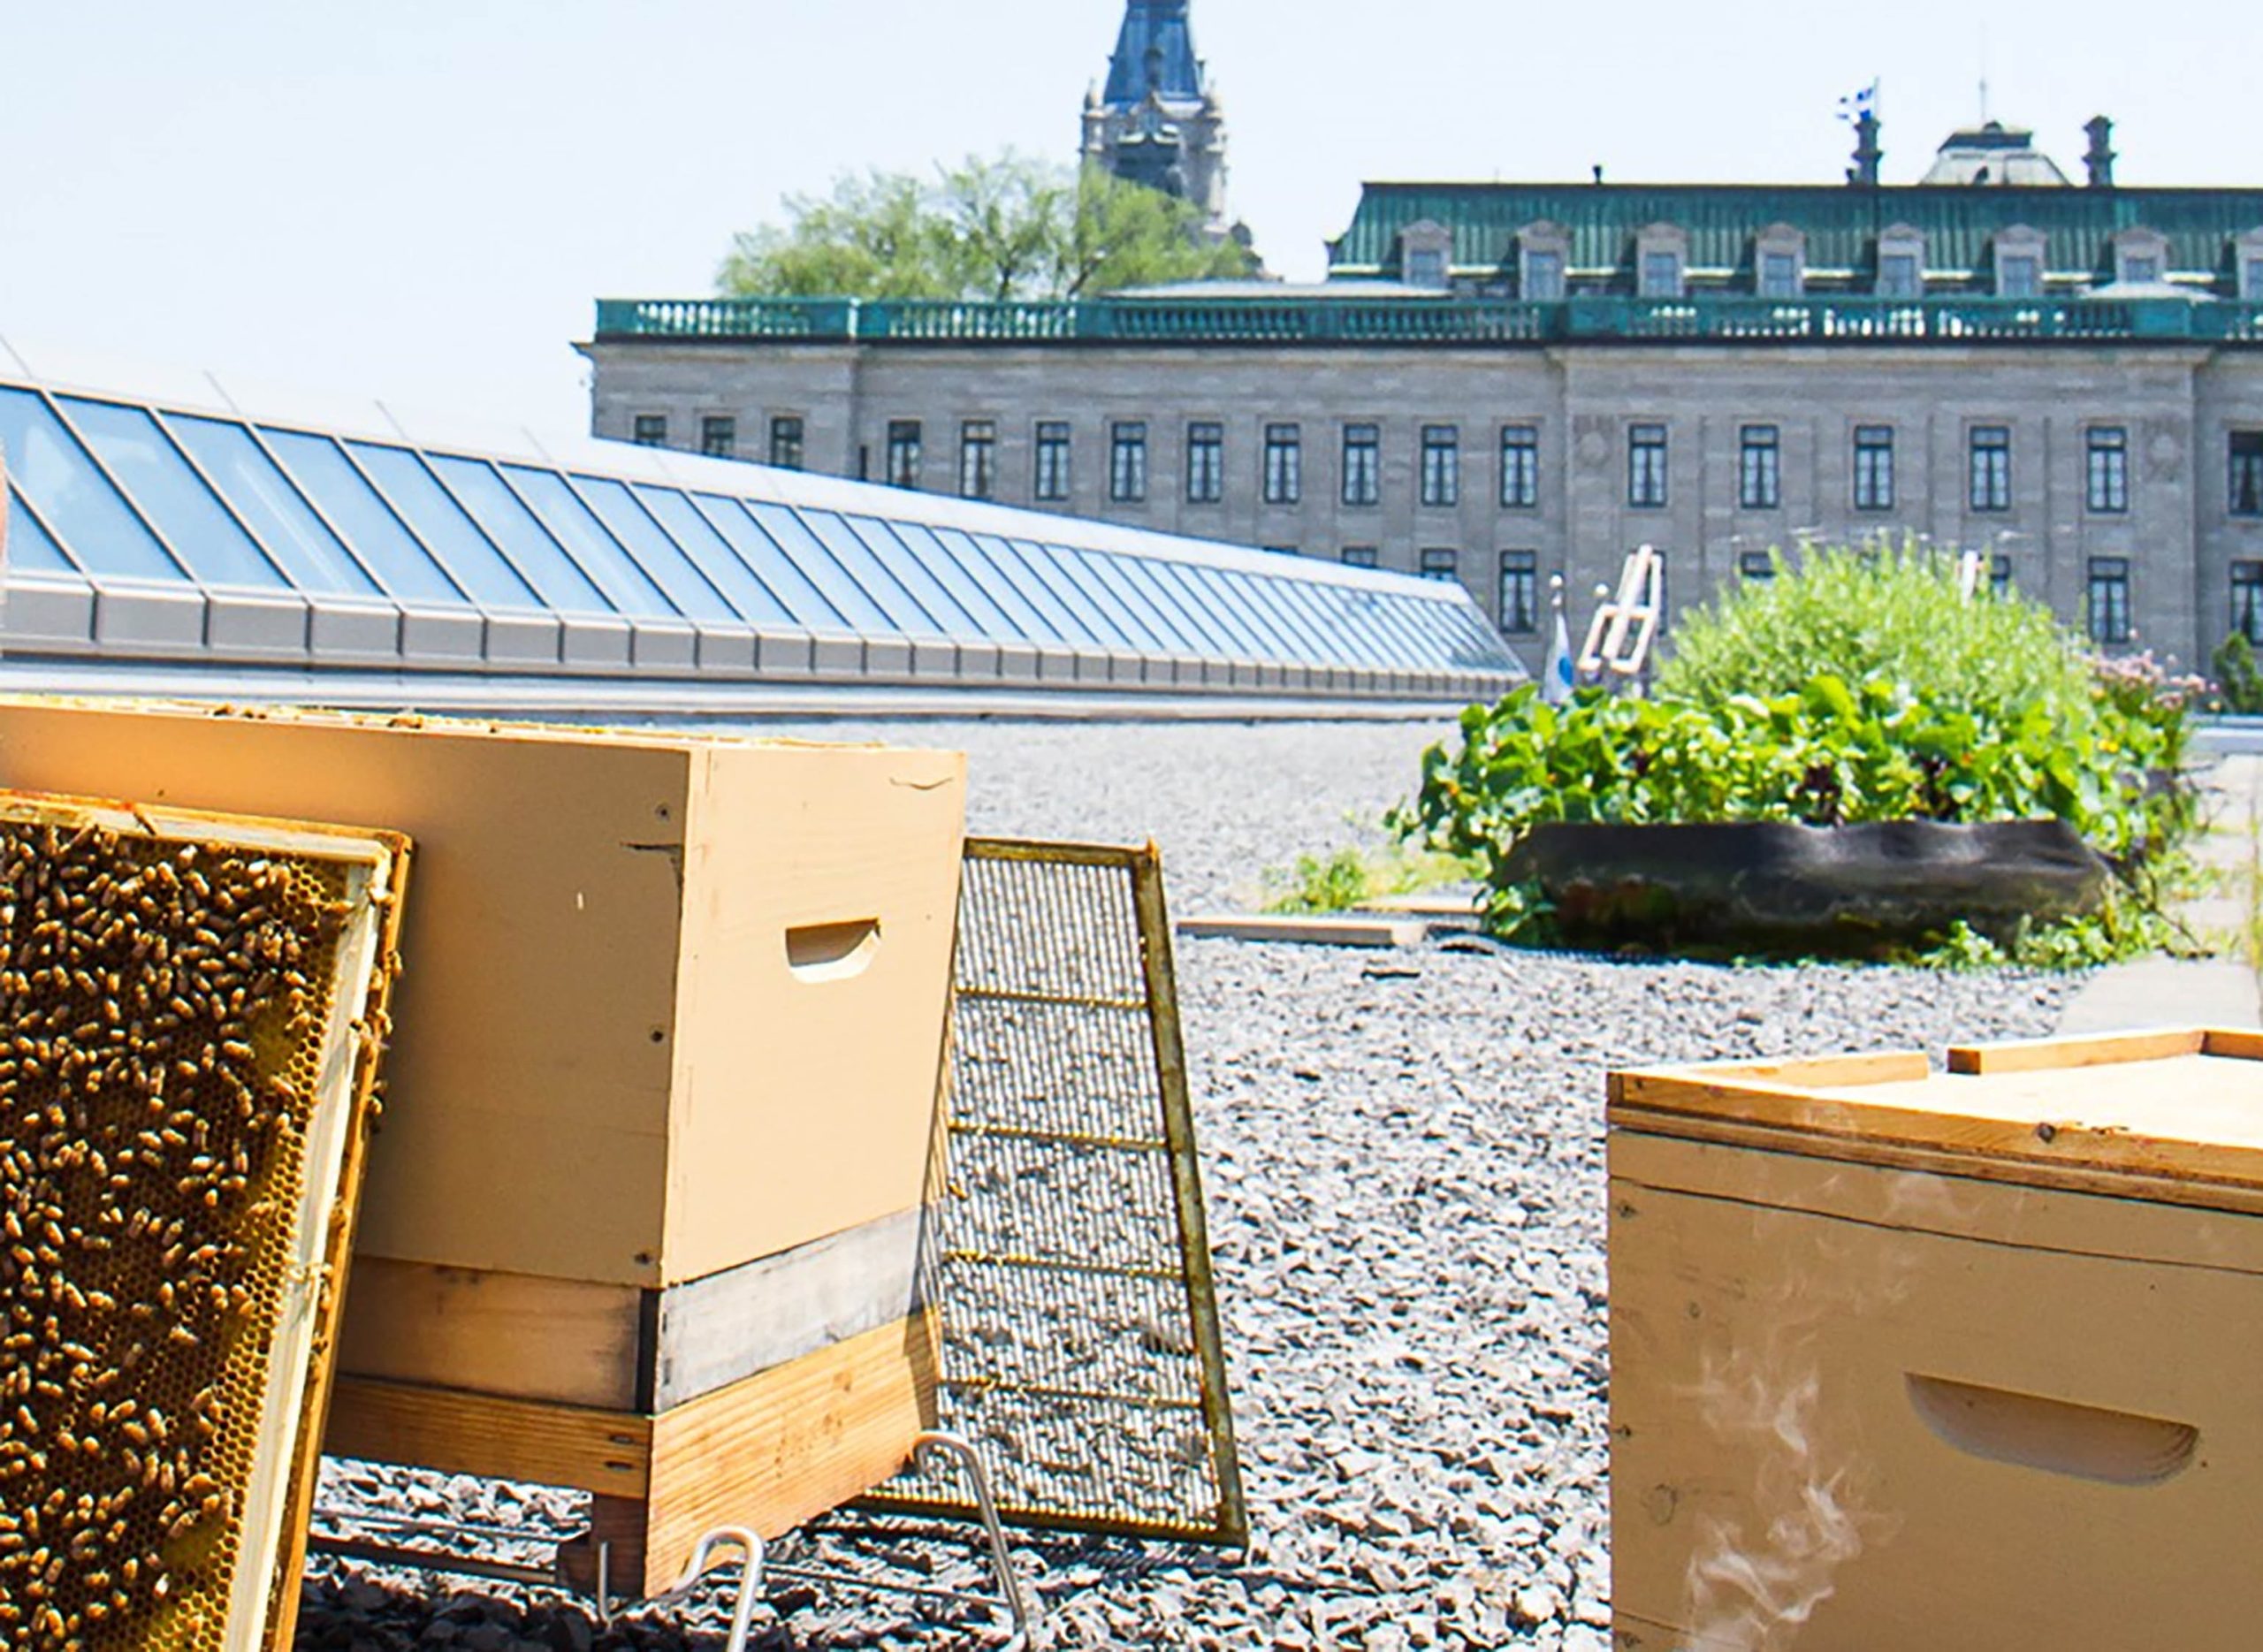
(2100, 158)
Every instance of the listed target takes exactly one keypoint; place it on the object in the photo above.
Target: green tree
(1007, 227)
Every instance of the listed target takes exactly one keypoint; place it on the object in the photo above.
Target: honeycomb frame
(192, 1008)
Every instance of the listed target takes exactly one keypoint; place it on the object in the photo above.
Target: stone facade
(2170, 411)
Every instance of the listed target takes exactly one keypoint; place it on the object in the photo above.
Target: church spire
(1155, 53)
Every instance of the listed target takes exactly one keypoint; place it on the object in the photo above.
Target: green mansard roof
(1841, 221)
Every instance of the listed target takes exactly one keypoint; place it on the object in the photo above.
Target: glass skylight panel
(1071, 585)
(790, 539)
(29, 545)
(1208, 633)
(997, 590)
(722, 539)
(921, 581)
(1329, 605)
(592, 545)
(1217, 597)
(440, 522)
(262, 496)
(1287, 636)
(901, 606)
(636, 519)
(152, 471)
(1147, 628)
(561, 583)
(1307, 620)
(403, 567)
(60, 478)
(1064, 623)
(921, 549)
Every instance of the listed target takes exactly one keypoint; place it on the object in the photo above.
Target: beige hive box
(1954, 1361)
(643, 1211)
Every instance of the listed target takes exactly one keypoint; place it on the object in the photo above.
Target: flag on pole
(1557, 679)
(1855, 105)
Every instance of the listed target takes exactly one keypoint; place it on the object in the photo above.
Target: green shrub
(1352, 876)
(2238, 682)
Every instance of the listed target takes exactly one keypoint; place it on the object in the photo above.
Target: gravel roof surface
(1404, 1159)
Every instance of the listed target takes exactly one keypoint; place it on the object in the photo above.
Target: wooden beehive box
(643, 1211)
(1958, 1361)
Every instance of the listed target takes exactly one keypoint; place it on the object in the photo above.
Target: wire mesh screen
(1071, 1267)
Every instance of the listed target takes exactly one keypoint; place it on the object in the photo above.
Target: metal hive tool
(189, 1012)
(1070, 1263)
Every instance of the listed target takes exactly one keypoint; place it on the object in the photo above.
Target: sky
(421, 200)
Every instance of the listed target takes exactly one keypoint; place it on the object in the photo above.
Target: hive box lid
(2174, 1115)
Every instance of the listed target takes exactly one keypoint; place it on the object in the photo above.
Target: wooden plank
(1429, 904)
(2107, 1049)
(602, 1451)
(565, 1340)
(1792, 1072)
(1318, 930)
(2235, 1044)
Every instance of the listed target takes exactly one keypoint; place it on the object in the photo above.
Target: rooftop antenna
(1983, 73)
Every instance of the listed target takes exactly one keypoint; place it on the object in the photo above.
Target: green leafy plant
(2239, 684)
(1351, 876)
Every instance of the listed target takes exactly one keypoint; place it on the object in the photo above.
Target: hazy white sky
(420, 200)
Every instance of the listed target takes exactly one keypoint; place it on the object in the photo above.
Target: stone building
(1157, 121)
(1500, 382)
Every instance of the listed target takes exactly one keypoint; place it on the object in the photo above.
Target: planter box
(1961, 1360)
(644, 1212)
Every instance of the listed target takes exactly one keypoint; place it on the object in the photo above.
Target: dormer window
(2247, 252)
(1425, 255)
(1543, 252)
(1779, 262)
(1900, 263)
(1661, 258)
(2140, 257)
(2019, 264)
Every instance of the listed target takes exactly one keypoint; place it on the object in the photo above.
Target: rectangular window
(1873, 466)
(1359, 556)
(1646, 467)
(1543, 276)
(719, 436)
(2106, 469)
(1519, 592)
(2247, 600)
(1206, 462)
(1426, 266)
(650, 429)
(1754, 565)
(1779, 275)
(1050, 479)
(1442, 465)
(1660, 275)
(1127, 461)
(978, 458)
(1991, 480)
(1362, 464)
(902, 454)
(2019, 275)
(1440, 562)
(1900, 276)
(2252, 289)
(2141, 267)
(786, 442)
(1759, 470)
(1999, 574)
(2247, 473)
(1520, 466)
(2106, 605)
(1285, 464)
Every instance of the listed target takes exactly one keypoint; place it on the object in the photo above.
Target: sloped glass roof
(122, 490)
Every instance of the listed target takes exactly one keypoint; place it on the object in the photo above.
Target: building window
(902, 454)
(1206, 462)
(2247, 473)
(650, 429)
(1127, 461)
(1759, 470)
(2142, 268)
(1543, 276)
(719, 436)
(1660, 275)
(1754, 565)
(1520, 466)
(2247, 600)
(978, 458)
(2019, 275)
(1049, 483)
(2106, 475)
(1362, 464)
(2106, 605)
(1426, 266)
(1873, 466)
(1990, 488)
(1359, 556)
(1442, 465)
(786, 442)
(1519, 592)
(1285, 464)
(1646, 466)
(1440, 562)
(2251, 280)
(1779, 275)
(1900, 275)
(1999, 575)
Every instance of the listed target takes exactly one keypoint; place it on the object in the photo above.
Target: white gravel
(1403, 1157)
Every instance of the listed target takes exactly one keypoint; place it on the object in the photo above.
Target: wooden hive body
(1954, 1361)
(645, 1209)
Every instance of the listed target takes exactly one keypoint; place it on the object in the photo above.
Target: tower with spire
(1157, 122)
